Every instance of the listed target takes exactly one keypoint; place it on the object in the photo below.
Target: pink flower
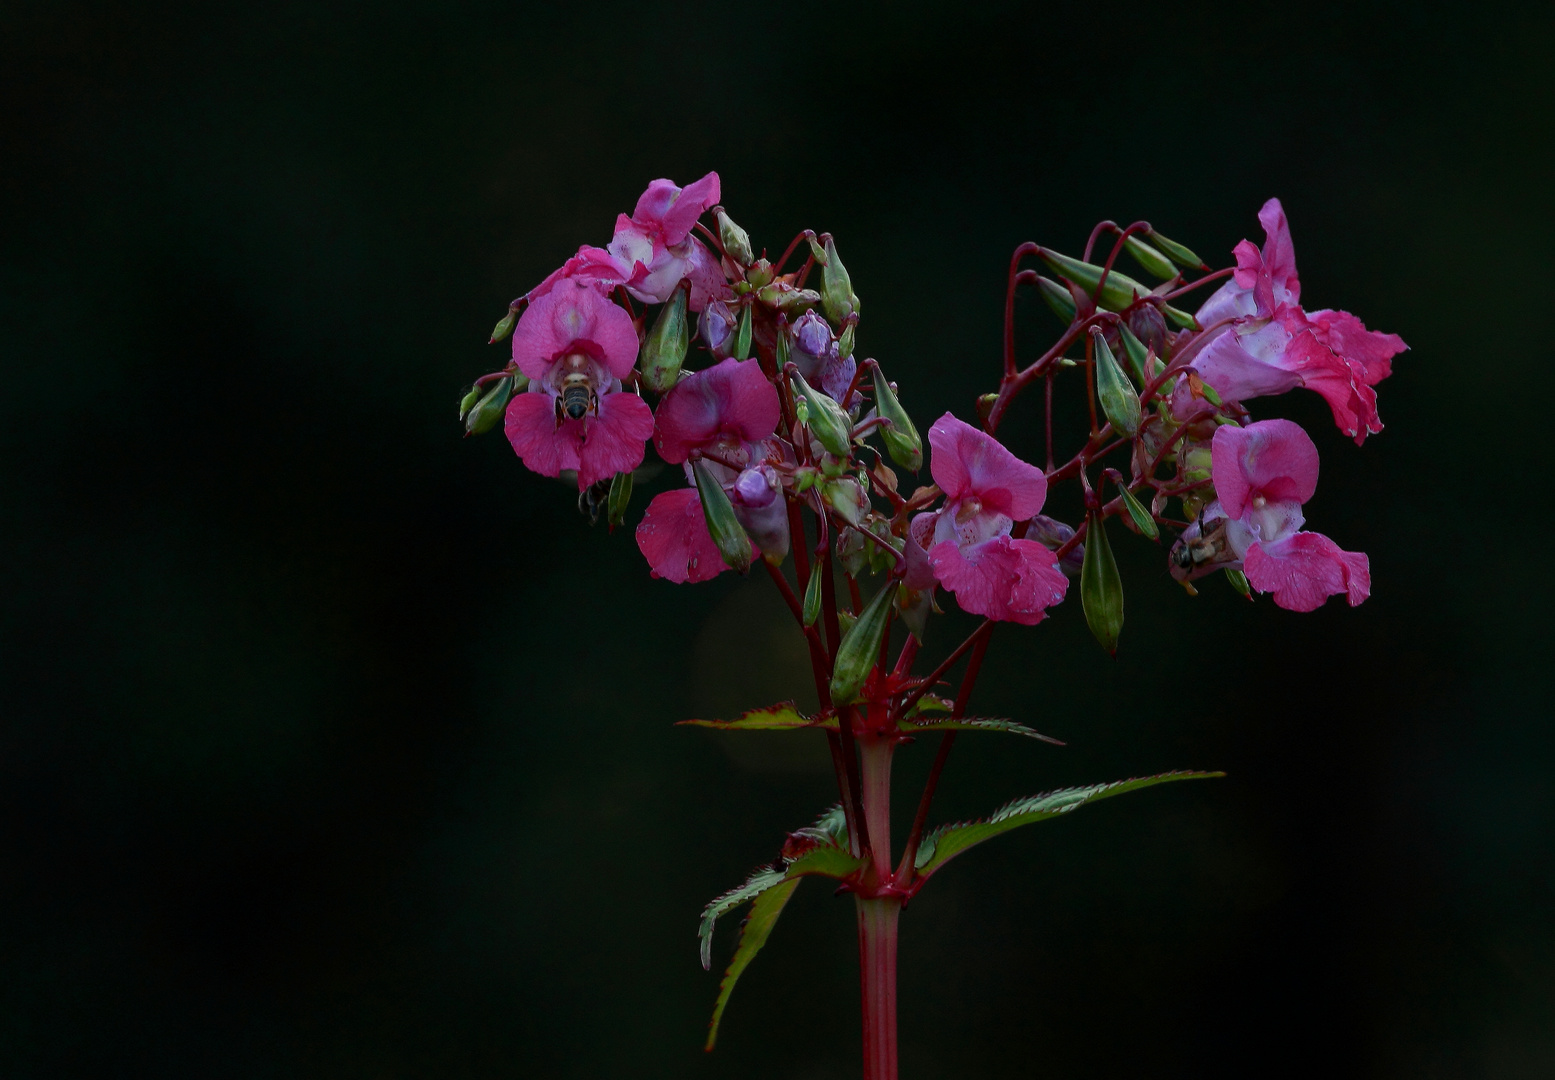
(1273, 345)
(657, 240)
(970, 550)
(673, 537)
(592, 266)
(729, 409)
(576, 346)
(1263, 474)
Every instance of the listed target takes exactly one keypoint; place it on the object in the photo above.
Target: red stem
(877, 917)
(1028, 248)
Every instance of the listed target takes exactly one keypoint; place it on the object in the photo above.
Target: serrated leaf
(784, 716)
(758, 926)
(948, 841)
(913, 725)
(719, 906)
(930, 703)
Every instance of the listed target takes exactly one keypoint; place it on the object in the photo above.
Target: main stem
(877, 917)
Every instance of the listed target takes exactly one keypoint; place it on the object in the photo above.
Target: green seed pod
(664, 350)
(860, 647)
(828, 423)
(742, 336)
(1138, 514)
(1151, 259)
(620, 496)
(1119, 399)
(845, 340)
(838, 299)
(900, 436)
(1119, 292)
(1177, 253)
(1181, 318)
(1138, 355)
(489, 409)
(727, 533)
(846, 497)
(812, 597)
(1057, 297)
(1101, 589)
(736, 241)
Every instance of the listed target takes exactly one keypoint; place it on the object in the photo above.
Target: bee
(1201, 549)
(578, 397)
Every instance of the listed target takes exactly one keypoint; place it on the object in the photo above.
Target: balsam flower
(1272, 345)
(967, 543)
(815, 351)
(1263, 474)
(729, 410)
(576, 346)
(657, 239)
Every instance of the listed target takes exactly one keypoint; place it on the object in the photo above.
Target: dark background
(334, 745)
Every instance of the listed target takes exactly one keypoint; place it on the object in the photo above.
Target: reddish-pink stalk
(878, 916)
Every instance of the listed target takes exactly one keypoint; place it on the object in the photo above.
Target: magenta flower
(1272, 345)
(967, 541)
(657, 241)
(673, 537)
(1263, 474)
(729, 409)
(591, 266)
(576, 346)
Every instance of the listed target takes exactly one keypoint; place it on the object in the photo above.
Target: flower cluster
(775, 424)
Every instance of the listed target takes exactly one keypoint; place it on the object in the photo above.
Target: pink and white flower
(1272, 345)
(575, 346)
(1264, 473)
(657, 242)
(966, 545)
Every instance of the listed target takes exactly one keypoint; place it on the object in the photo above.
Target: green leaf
(930, 703)
(971, 723)
(1101, 588)
(758, 926)
(783, 716)
(948, 841)
(768, 891)
(742, 336)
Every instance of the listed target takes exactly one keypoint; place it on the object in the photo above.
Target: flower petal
(545, 446)
(1272, 458)
(573, 316)
(968, 462)
(1003, 578)
(731, 401)
(674, 210)
(673, 537)
(1305, 569)
(615, 438)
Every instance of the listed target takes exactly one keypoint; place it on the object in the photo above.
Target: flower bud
(900, 436)
(735, 240)
(620, 496)
(505, 327)
(486, 412)
(860, 647)
(664, 350)
(759, 274)
(1146, 324)
(717, 326)
(1151, 259)
(469, 399)
(838, 299)
(1176, 252)
(788, 300)
(831, 426)
(1238, 582)
(1054, 534)
(985, 404)
(1101, 589)
(1057, 297)
(845, 341)
(846, 497)
(757, 496)
(728, 536)
(1138, 355)
(1119, 399)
